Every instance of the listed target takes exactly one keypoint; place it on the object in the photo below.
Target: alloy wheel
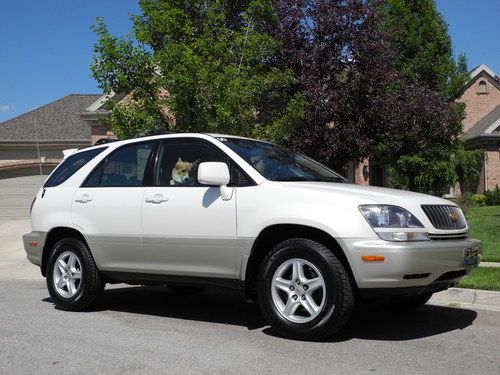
(67, 275)
(298, 290)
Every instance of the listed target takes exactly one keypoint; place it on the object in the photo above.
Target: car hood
(368, 194)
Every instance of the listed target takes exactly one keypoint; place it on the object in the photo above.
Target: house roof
(483, 71)
(56, 121)
(486, 126)
(478, 69)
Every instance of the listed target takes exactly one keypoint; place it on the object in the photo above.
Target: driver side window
(178, 162)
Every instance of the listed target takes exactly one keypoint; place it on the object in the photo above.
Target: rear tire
(304, 291)
(72, 277)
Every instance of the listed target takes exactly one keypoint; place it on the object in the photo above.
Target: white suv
(195, 210)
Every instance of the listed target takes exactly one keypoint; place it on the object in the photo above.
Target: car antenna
(38, 150)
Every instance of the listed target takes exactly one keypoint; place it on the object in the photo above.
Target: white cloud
(5, 107)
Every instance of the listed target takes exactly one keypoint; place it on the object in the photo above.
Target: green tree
(204, 66)
(424, 56)
(467, 165)
(424, 49)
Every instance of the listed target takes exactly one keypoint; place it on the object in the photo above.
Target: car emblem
(453, 216)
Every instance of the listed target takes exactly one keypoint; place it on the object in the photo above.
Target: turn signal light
(373, 258)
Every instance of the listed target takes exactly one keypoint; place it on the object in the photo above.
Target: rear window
(71, 165)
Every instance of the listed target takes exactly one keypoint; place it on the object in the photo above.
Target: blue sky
(46, 46)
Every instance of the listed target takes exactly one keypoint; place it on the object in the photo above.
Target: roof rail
(155, 131)
(104, 140)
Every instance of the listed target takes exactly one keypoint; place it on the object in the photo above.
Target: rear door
(107, 208)
(187, 228)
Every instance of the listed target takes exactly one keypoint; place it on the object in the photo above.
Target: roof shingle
(484, 123)
(58, 120)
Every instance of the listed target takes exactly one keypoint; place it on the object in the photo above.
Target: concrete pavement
(467, 298)
(489, 264)
(148, 330)
(13, 262)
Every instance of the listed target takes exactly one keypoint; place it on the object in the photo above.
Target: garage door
(17, 190)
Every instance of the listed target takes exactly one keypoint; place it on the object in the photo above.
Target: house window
(482, 87)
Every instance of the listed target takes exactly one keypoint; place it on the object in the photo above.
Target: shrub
(466, 200)
(492, 197)
(480, 199)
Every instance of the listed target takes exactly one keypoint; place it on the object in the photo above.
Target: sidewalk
(489, 264)
(473, 298)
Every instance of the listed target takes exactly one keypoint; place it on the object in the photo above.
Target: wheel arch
(53, 236)
(277, 233)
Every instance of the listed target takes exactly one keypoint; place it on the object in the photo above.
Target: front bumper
(33, 245)
(419, 265)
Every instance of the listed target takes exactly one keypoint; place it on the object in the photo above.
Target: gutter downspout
(485, 173)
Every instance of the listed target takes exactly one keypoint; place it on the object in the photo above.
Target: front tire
(304, 291)
(72, 277)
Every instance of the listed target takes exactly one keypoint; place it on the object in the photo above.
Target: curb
(474, 298)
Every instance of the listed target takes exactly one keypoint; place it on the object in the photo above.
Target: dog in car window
(184, 172)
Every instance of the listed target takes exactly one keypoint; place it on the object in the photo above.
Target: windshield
(277, 163)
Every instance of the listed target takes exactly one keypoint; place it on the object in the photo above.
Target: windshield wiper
(294, 178)
(329, 179)
(311, 179)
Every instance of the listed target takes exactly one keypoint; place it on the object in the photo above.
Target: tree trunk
(412, 185)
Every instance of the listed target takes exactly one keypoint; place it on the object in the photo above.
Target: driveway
(13, 262)
(148, 330)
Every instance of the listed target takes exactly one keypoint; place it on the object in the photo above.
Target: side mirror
(215, 174)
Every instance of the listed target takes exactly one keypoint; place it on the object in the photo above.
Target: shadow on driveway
(381, 325)
(226, 306)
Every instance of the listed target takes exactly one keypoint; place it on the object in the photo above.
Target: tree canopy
(380, 79)
(204, 66)
(424, 59)
(337, 80)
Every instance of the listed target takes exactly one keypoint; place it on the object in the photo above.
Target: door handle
(83, 199)
(157, 198)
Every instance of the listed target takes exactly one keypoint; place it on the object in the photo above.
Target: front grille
(448, 237)
(441, 216)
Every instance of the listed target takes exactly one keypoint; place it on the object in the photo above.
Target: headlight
(393, 223)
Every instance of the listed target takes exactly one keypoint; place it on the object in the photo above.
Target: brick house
(482, 124)
(481, 131)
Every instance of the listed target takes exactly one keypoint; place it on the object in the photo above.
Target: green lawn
(484, 223)
(482, 278)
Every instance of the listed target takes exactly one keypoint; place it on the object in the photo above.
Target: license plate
(471, 258)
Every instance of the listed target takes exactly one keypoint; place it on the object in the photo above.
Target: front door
(107, 208)
(187, 228)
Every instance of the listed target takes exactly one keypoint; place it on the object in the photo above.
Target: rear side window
(71, 165)
(124, 167)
